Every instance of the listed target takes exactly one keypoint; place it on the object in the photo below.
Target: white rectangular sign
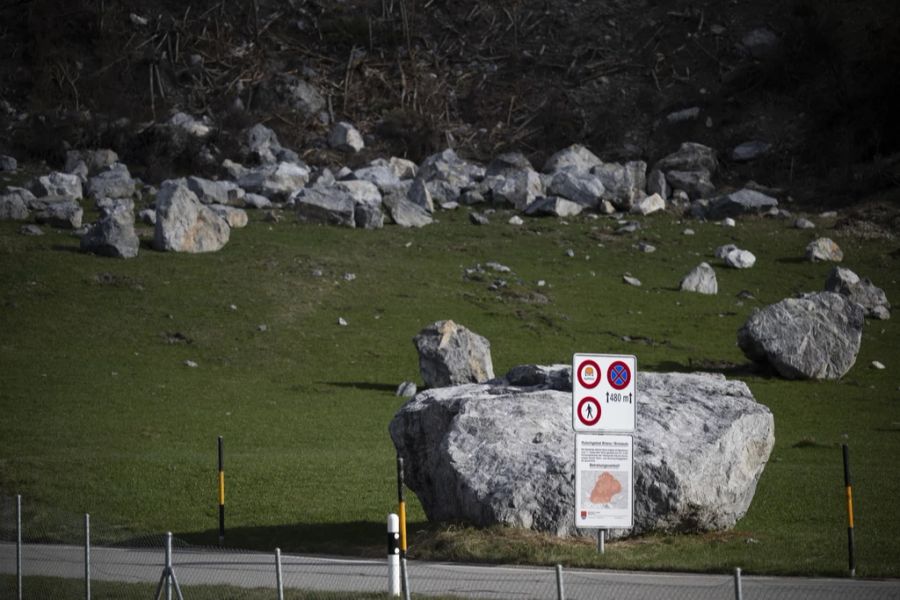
(604, 481)
(603, 393)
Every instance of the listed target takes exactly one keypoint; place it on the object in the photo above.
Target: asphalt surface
(257, 570)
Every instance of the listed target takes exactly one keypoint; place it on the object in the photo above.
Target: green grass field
(101, 415)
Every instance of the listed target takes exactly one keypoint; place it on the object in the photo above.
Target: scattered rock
(147, 216)
(649, 205)
(256, 201)
(113, 235)
(235, 217)
(113, 183)
(871, 298)
(520, 188)
(450, 354)
(31, 230)
(8, 164)
(262, 146)
(183, 224)
(688, 231)
(501, 453)
(877, 365)
(330, 206)
(406, 214)
(624, 184)
(476, 218)
(802, 223)
(200, 129)
(346, 138)
(59, 211)
(749, 151)
(14, 204)
(381, 174)
(407, 389)
(216, 192)
(702, 279)
(759, 43)
(646, 247)
(656, 183)
(741, 202)
(419, 195)
(575, 158)
(686, 114)
(728, 222)
(447, 175)
(815, 337)
(94, 161)
(342, 322)
(276, 182)
(554, 207)
(739, 259)
(697, 184)
(824, 249)
(690, 156)
(516, 220)
(631, 280)
(57, 184)
(584, 189)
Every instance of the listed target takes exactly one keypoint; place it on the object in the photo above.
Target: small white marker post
(393, 529)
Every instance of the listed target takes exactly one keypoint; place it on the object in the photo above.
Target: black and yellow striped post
(848, 486)
(402, 514)
(221, 493)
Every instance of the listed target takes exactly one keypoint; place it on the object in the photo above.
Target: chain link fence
(58, 562)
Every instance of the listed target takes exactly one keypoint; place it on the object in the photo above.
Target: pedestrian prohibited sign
(603, 393)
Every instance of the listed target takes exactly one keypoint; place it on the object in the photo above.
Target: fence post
(560, 590)
(19, 546)
(738, 592)
(221, 478)
(848, 485)
(404, 573)
(87, 556)
(168, 570)
(393, 555)
(279, 581)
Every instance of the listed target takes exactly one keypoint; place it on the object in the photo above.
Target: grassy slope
(101, 415)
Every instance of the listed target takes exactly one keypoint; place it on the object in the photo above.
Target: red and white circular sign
(618, 375)
(589, 374)
(589, 411)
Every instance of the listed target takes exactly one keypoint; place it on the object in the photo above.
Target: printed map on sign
(604, 488)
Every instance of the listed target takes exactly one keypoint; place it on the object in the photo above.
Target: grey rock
(303, 96)
(94, 161)
(646, 248)
(606, 208)
(382, 176)
(362, 192)
(815, 337)
(506, 163)
(256, 201)
(447, 175)
(553, 207)
(420, 195)
(346, 138)
(116, 182)
(113, 235)
(147, 216)
(477, 218)
(501, 453)
(450, 354)
(235, 217)
(729, 222)
(701, 279)
(31, 230)
(656, 184)
(697, 184)
(8, 164)
(690, 156)
(749, 151)
(624, 184)
(331, 206)
(802, 223)
(759, 43)
(575, 158)
(368, 216)
(516, 220)
(406, 214)
(234, 170)
(107, 205)
(262, 145)
(59, 211)
(183, 224)
(862, 291)
(198, 128)
(216, 192)
(14, 204)
(824, 249)
(741, 202)
(407, 389)
(518, 187)
(57, 184)
(633, 281)
(649, 205)
(739, 259)
(585, 189)
(685, 114)
(276, 182)
(722, 251)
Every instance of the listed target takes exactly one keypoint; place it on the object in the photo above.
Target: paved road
(254, 570)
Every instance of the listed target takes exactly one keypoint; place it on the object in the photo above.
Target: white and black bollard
(279, 578)
(19, 546)
(393, 530)
(601, 541)
(738, 588)
(87, 556)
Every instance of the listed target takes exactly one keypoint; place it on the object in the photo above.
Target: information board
(604, 481)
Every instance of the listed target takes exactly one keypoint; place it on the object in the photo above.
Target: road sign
(603, 393)
(604, 481)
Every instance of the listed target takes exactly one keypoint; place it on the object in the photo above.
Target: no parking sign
(603, 393)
